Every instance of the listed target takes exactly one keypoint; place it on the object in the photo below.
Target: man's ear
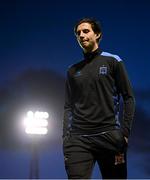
(98, 35)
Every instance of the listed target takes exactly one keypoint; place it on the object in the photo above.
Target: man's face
(86, 37)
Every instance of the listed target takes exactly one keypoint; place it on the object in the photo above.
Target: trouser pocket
(111, 140)
(116, 139)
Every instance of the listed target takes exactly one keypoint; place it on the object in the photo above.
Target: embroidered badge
(103, 70)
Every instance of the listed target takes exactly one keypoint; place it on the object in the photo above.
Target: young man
(92, 131)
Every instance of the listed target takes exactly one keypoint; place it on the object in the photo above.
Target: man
(92, 130)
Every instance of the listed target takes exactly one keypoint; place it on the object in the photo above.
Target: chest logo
(103, 70)
(78, 73)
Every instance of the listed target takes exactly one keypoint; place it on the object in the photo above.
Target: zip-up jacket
(92, 96)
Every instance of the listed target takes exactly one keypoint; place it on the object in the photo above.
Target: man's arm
(125, 89)
(67, 107)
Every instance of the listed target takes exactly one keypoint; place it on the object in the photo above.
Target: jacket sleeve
(67, 106)
(125, 90)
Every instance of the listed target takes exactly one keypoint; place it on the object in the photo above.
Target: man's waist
(92, 132)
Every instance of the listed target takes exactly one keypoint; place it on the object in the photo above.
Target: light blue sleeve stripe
(111, 55)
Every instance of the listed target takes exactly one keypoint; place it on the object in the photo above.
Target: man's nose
(81, 34)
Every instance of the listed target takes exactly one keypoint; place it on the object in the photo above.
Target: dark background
(37, 44)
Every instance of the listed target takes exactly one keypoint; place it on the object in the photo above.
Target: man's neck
(90, 50)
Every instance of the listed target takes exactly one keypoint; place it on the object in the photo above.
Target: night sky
(37, 44)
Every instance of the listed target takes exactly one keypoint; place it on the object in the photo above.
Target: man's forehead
(84, 26)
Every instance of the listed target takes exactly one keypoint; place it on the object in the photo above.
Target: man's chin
(85, 46)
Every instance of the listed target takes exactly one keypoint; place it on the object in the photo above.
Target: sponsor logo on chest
(78, 73)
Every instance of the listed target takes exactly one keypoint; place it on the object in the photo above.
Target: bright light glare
(30, 114)
(36, 123)
(44, 115)
(31, 130)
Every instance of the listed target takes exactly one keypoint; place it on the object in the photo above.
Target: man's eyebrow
(85, 29)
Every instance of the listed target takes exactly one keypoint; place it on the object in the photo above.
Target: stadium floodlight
(36, 122)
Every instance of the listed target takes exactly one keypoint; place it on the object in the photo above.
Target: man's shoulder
(112, 56)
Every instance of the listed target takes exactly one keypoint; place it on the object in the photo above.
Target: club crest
(103, 70)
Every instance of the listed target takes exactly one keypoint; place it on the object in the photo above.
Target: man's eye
(86, 31)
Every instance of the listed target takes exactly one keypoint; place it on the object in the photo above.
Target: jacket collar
(92, 55)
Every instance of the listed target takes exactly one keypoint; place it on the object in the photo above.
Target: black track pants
(81, 153)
